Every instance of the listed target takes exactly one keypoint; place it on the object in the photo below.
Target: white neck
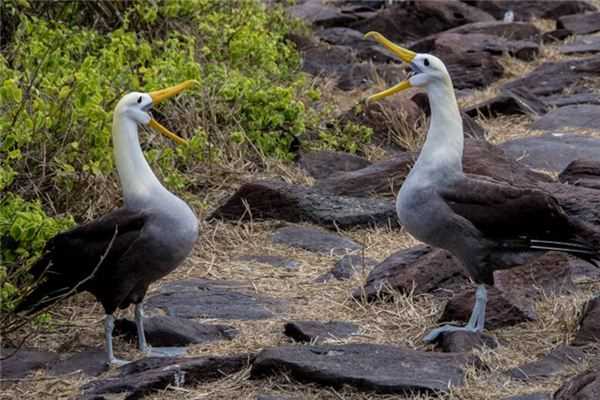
(139, 183)
(443, 148)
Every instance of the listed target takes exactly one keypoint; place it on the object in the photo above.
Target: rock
(367, 367)
(275, 261)
(556, 35)
(552, 152)
(315, 240)
(583, 44)
(384, 177)
(166, 331)
(295, 203)
(449, 43)
(501, 310)
(553, 77)
(21, 363)
(91, 362)
(365, 50)
(574, 116)
(589, 326)
(507, 30)
(585, 386)
(203, 298)
(525, 10)
(405, 21)
(508, 102)
(582, 173)
(577, 201)
(550, 364)
(531, 396)
(347, 266)
(583, 97)
(417, 270)
(580, 24)
(463, 341)
(317, 331)
(324, 163)
(473, 70)
(152, 374)
(318, 13)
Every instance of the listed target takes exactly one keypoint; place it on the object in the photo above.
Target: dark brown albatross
(143, 241)
(487, 224)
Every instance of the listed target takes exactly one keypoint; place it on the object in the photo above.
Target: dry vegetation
(77, 323)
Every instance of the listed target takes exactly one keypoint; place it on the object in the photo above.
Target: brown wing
(503, 211)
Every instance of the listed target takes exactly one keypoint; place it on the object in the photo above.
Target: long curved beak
(404, 54)
(159, 96)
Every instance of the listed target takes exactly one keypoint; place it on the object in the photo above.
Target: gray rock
(167, 331)
(577, 201)
(580, 24)
(202, 298)
(309, 331)
(526, 10)
(583, 44)
(585, 386)
(582, 173)
(347, 266)
(315, 240)
(507, 30)
(509, 102)
(21, 363)
(553, 152)
(367, 367)
(583, 97)
(294, 203)
(449, 43)
(463, 341)
(91, 362)
(322, 164)
(589, 326)
(275, 261)
(531, 396)
(574, 116)
(550, 364)
(365, 50)
(317, 13)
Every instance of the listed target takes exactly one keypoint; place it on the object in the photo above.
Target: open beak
(159, 96)
(402, 53)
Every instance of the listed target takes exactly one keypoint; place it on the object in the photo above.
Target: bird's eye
(140, 100)
(426, 62)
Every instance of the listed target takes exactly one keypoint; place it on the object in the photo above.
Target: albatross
(117, 256)
(486, 224)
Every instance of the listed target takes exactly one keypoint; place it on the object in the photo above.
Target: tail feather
(581, 250)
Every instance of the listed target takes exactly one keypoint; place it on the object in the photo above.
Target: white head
(135, 106)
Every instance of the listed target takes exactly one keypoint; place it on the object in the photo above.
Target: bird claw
(117, 362)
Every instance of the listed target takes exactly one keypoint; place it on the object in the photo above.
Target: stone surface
(275, 261)
(582, 97)
(203, 298)
(580, 24)
(573, 116)
(463, 341)
(449, 43)
(347, 266)
(552, 152)
(295, 203)
(525, 10)
(501, 310)
(507, 30)
(317, 331)
(585, 386)
(582, 173)
(556, 35)
(167, 331)
(583, 44)
(315, 240)
(318, 13)
(152, 374)
(531, 396)
(577, 201)
(554, 77)
(365, 50)
(589, 326)
(91, 362)
(549, 364)
(417, 270)
(473, 70)
(322, 164)
(509, 102)
(21, 363)
(367, 367)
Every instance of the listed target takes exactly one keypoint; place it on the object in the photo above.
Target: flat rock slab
(347, 266)
(580, 24)
(583, 44)
(25, 361)
(294, 203)
(274, 261)
(318, 331)
(577, 201)
(315, 240)
(167, 331)
(553, 152)
(368, 367)
(151, 374)
(420, 269)
(464, 341)
(531, 396)
(509, 102)
(322, 164)
(582, 173)
(526, 10)
(585, 116)
(585, 386)
(203, 298)
(550, 364)
(589, 326)
(447, 43)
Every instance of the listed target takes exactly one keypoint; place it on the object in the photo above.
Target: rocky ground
(303, 286)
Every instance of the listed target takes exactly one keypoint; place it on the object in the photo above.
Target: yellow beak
(161, 95)
(402, 53)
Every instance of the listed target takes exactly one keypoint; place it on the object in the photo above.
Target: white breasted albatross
(144, 240)
(487, 224)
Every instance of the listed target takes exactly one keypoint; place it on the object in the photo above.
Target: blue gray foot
(165, 351)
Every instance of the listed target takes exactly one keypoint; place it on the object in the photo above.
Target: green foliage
(348, 137)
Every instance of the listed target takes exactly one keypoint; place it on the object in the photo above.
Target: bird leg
(476, 320)
(144, 346)
(109, 325)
